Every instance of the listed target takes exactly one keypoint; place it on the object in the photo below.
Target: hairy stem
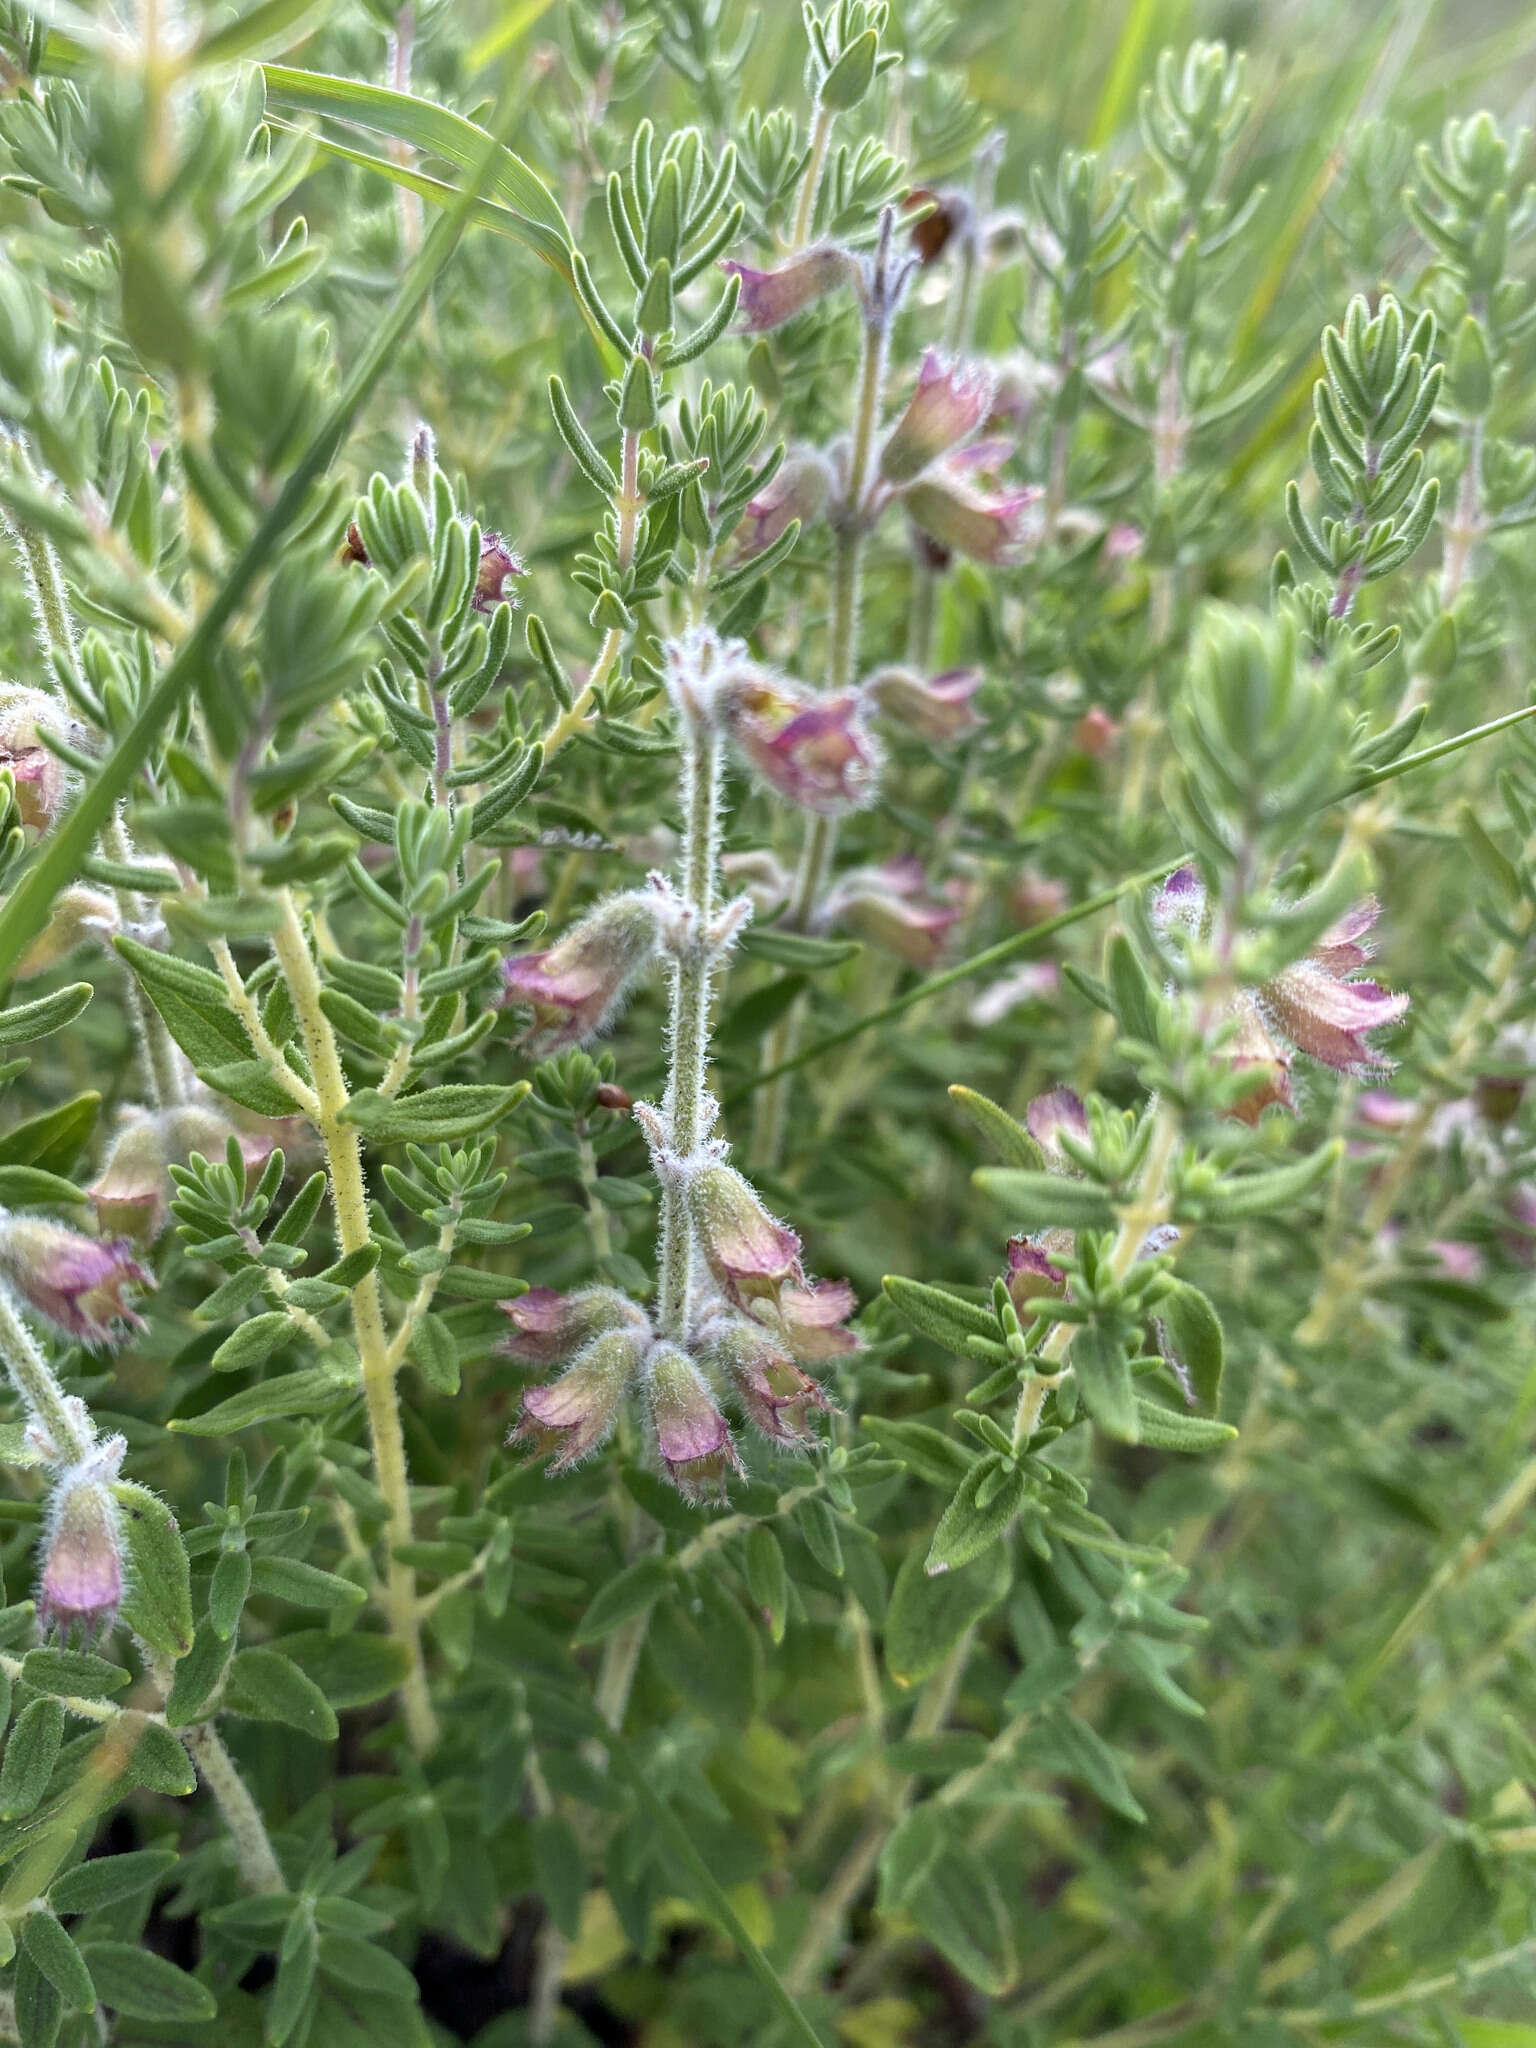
(33, 1378)
(258, 1866)
(349, 1195)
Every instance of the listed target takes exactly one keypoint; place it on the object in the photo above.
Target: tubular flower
(797, 490)
(132, 1193)
(81, 1584)
(575, 987)
(935, 708)
(79, 1283)
(79, 913)
(692, 1436)
(775, 1395)
(810, 1320)
(889, 906)
(497, 563)
(1313, 1006)
(751, 1256)
(951, 401)
(815, 752)
(38, 775)
(572, 1415)
(1031, 1270)
(988, 526)
(548, 1326)
(770, 297)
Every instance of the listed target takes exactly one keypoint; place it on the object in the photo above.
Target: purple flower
(79, 1283)
(815, 752)
(987, 525)
(776, 1395)
(81, 1585)
(951, 401)
(572, 1415)
(497, 563)
(935, 708)
(1031, 1272)
(38, 776)
(575, 986)
(797, 490)
(750, 1254)
(890, 906)
(692, 1436)
(770, 297)
(548, 1326)
(810, 1320)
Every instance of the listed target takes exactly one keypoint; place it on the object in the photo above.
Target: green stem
(349, 1195)
(810, 184)
(33, 1378)
(258, 1866)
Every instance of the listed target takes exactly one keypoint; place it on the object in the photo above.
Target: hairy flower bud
(79, 913)
(951, 401)
(572, 1415)
(934, 708)
(770, 297)
(132, 1193)
(775, 1394)
(38, 775)
(797, 490)
(750, 1254)
(692, 1436)
(497, 563)
(548, 1326)
(576, 986)
(81, 1583)
(79, 1283)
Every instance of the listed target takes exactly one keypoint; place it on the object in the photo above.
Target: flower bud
(935, 708)
(497, 563)
(770, 297)
(1031, 1271)
(988, 526)
(132, 1193)
(949, 214)
(79, 913)
(38, 775)
(815, 752)
(951, 401)
(750, 1254)
(82, 1576)
(1095, 732)
(572, 1415)
(548, 1326)
(692, 1436)
(776, 1396)
(797, 490)
(78, 1283)
(575, 987)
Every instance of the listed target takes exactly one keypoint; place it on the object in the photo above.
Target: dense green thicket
(767, 885)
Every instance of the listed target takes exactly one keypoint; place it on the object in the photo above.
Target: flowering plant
(734, 1308)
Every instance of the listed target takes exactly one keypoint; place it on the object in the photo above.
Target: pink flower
(935, 708)
(575, 987)
(750, 1254)
(1311, 1007)
(796, 490)
(132, 1192)
(889, 906)
(692, 1436)
(497, 563)
(79, 1283)
(987, 525)
(815, 752)
(951, 401)
(38, 776)
(770, 297)
(548, 1326)
(810, 1320)
(1031, 1273)
(776, 1396)
(572, 1415)
(1050, 1116)
(1095, 732)
(1384, 1112)
(81, 1585)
